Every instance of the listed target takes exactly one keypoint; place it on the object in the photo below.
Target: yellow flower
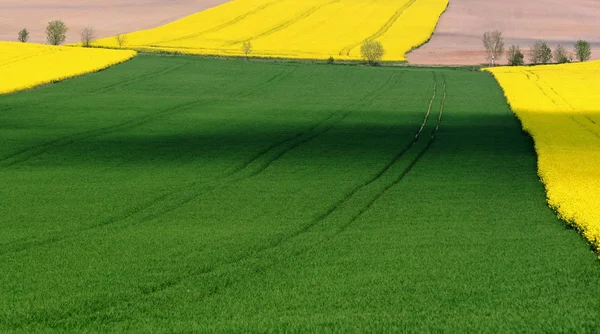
(559, 106)
(310, 29)
(26, 65)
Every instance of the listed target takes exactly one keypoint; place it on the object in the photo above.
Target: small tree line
(539, 52)
(56, 34)
(372, 51)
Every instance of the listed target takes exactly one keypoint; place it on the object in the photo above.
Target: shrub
(23, 36)
(515, 56)
(372, 51)
(583, 50)
(330, 60)
(121, 40)
(56, 32)
(493, 42)
(87, 36)
(561, 55)
(540, 53)
(247, 48)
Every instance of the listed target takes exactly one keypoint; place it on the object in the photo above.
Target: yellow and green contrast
(301, 29)
(26, 65)
(559, 106)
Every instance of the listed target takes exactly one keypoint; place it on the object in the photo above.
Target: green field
(188, 194)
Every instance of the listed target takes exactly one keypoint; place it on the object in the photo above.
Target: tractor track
(220, 27)
(232, 177)
(276, 243)
(287, 24)
(346, 50)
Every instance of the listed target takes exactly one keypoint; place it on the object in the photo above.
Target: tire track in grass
(279, 77)
(252, 167)
(249, 264)
(26, 154)
(220, 27)
(405, 172)
(346, 50)
(140, 78)
(287, 24)
(281, 256)
(319, 219)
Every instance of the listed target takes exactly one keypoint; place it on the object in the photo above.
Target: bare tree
(121, 40)
(515, 56)
(247, 48)
(23, 36)
(56, 32)
(493, 42)
(87, 36)
(583, 50)
(561, 55)
(372, 51)
(540, 53)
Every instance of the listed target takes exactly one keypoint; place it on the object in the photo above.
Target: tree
(540, 53)
(372, 51)
(583, 50)
(23, 36)
(247, 48)
(493, 42)
(121, 40)
(330, 60)
(56, 32)
(87, 36)
(515, 56)
(561, 55)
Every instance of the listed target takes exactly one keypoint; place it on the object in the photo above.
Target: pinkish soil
(107, 17)
(457, 39)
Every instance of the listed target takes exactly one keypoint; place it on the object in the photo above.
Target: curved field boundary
(346, 50)
(25, 65)
(564, 139)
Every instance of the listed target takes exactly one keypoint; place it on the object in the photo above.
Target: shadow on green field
(238, 196)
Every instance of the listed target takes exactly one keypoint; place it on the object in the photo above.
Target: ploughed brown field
(107, 17)
(457, 39)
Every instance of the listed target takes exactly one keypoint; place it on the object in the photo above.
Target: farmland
(25, 66)
(187, 194)
(309, 29)
(560, 107)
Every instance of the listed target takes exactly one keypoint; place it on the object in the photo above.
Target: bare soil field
(457, 39)
(107, 17)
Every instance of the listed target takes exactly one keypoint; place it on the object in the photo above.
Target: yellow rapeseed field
(559, 105)
(309, 29)
(26, 65)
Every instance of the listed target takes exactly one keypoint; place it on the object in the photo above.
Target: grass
(188, 194)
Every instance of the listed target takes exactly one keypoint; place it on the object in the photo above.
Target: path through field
(186, 194)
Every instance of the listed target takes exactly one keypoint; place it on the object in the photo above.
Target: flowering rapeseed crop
(25, 65)
(312, 29)
(559, 106)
